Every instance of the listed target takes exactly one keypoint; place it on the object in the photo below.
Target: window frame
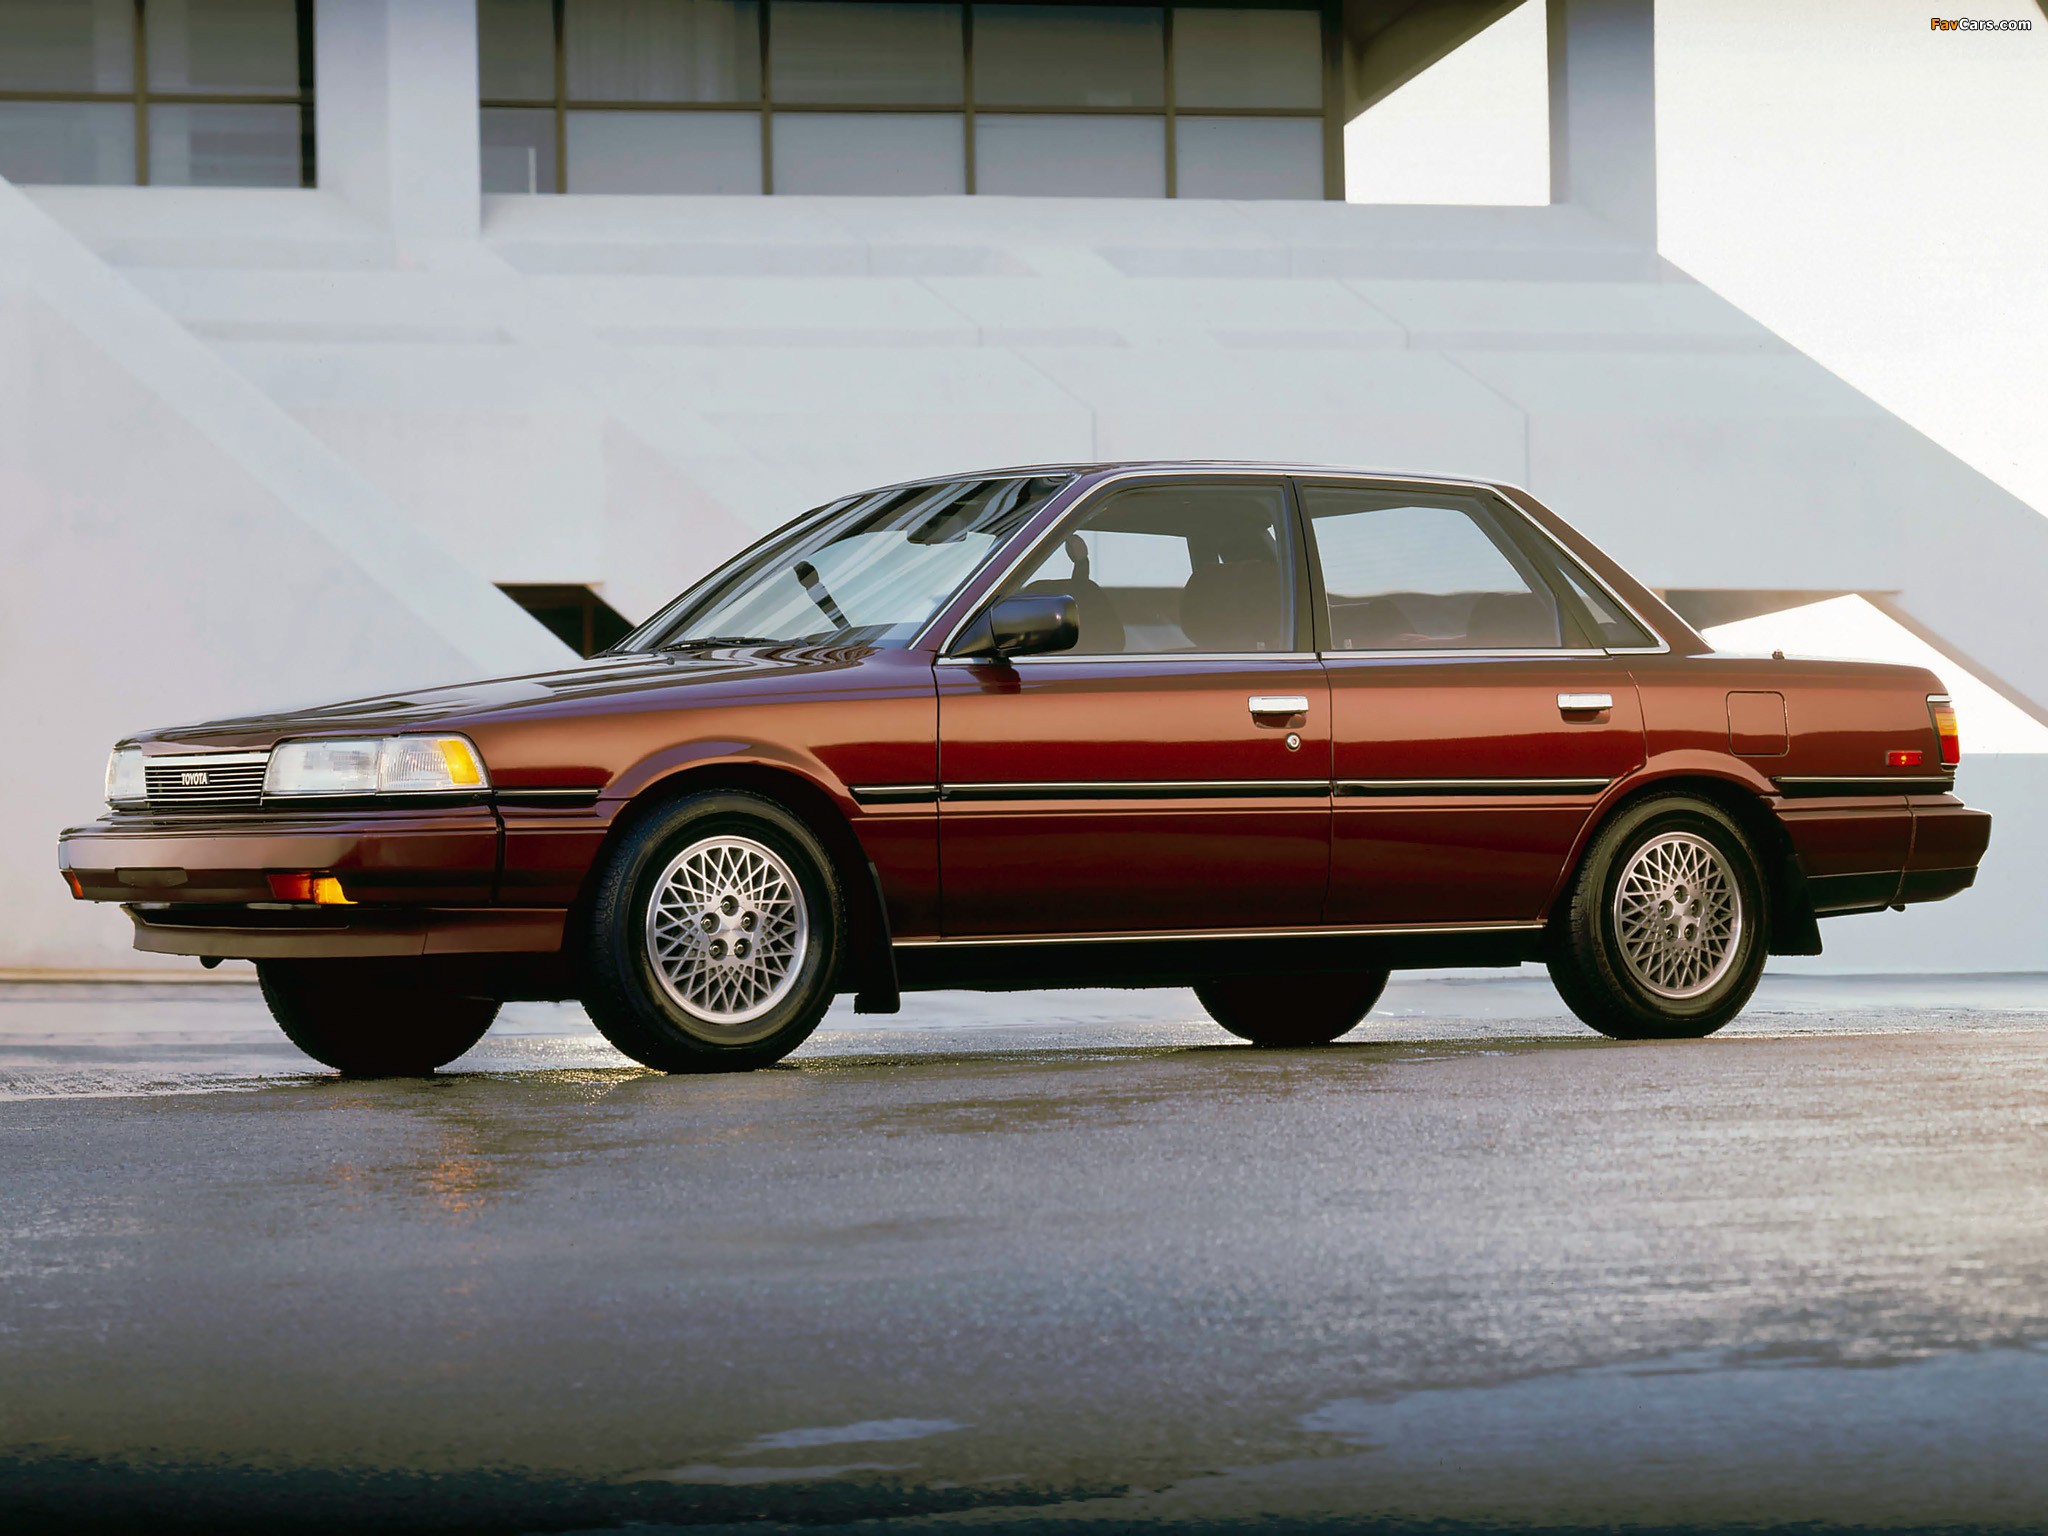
(141, 97)
(1329, 113)
(1032, 546)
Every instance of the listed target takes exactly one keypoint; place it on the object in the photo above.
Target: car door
(1476, 720)
(1170, 773)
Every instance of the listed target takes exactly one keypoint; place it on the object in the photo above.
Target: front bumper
(334, 933)
(419, 882)
(416, 857)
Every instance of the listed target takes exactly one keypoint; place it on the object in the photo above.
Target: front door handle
(1584, 703)
(1278, 704)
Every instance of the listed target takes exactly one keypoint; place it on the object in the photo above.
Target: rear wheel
(1664, 938)
(373, 1018)
(713, 937)
(1296, 1010)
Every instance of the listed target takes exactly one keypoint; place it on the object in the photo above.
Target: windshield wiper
(712, 642)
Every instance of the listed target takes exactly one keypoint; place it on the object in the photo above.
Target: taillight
(1944, 716)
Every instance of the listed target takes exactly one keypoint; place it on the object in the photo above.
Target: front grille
(205, 779)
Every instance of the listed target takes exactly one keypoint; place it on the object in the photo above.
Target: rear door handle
(1278, 704)
(1584, 703)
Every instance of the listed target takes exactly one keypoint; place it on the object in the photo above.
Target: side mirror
(1021, 626)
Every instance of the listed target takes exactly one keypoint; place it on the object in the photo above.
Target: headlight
(393, 765)
(125, 782)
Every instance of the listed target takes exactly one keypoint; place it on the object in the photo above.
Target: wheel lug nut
(718, 949)
(729, 905)
(747, 922)
(739, 949)
(710, 922)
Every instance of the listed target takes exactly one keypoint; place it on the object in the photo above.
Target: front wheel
(1664, 937)
(713, 936)
(1292, 1011)
(373, 1018)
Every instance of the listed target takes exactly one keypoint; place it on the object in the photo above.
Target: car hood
(720, 673)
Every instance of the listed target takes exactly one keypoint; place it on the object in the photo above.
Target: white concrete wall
(177, 547)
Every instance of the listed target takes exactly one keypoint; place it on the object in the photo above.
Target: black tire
(1605, 976)
(373, 1018)
(1294, 1011)
(643, 1004)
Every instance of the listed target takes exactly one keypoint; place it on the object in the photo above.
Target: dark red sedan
(1267, 731)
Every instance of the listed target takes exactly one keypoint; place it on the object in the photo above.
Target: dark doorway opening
(581, 618)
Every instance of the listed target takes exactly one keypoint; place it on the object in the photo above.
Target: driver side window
(1165, 569)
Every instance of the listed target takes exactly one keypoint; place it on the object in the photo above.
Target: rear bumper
(1868, 853)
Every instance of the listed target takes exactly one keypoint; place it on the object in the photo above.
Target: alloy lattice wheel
(727, 931)
(1678, 915)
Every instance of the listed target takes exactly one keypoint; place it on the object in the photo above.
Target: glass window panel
(880, 55)
(870, 152)
(1175, 568)
(675, 152)
(227, 47)
(1055, 156)
(1616, 628)
(1069, 56)
(1249, 157)
(663, 50)
(89, 143)
(1231, 58)
(869, 570)
(67, 45)
(515, 43)
(519, 150)
(218, 145)
(1404, 573)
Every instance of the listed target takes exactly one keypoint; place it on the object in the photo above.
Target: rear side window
(1415, 571)
(1617, 631)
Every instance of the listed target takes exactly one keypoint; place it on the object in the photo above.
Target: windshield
(869, 570)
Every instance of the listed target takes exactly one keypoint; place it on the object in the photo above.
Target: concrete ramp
(176, 546)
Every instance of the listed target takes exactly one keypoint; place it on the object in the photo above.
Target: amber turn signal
(1943, 714)
(321, 890)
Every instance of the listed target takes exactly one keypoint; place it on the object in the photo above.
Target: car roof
(1101, 467)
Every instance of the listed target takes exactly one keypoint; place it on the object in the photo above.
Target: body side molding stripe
(546, 796)
(1471, 786)
(894, 794)
(1162, 789)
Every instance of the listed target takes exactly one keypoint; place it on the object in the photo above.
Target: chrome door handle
(1584, 703)
(1278, 704)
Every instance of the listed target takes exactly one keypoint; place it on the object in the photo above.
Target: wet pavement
(1061, 1260)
